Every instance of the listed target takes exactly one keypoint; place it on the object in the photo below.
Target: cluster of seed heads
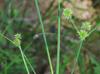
(85, 28)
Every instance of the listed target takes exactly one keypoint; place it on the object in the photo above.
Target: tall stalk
(77, 56)
(29, 64)
(44, 36)
(58, 45)
(27, 69)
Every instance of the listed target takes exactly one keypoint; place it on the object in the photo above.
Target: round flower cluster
(84, 31)
(67, 13)
(86, 26)
(17, 40)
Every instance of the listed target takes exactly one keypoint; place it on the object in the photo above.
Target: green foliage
(14, 12)
(97, 69)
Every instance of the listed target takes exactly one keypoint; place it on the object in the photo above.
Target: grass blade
(44, 36)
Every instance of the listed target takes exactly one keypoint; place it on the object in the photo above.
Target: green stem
(77, 56)
(58, 46)
(81, 64)
(44, 36)
(92, 30)
(6, 69)
(73, 23)
(29, 64)
(6, 38)
(24, 60)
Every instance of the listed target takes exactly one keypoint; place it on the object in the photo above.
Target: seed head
(82, 34)
(67, 13)
(86, 26)
(17, 40)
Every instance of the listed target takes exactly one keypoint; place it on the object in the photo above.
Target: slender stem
(92, 30)
(44, 36)
(58, 45)
(14, 60)
(77, 56)
(29, 64)
(81, 64)
(6, 38)
(24, 60)
(73, 23)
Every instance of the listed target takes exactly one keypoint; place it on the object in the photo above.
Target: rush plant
(83, 32)
(17, 42)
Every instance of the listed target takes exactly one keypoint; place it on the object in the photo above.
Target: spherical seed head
(17, 40)
(83, 34)
(67, 13)
(86, 26)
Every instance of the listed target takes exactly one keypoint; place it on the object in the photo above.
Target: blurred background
(20, 16)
